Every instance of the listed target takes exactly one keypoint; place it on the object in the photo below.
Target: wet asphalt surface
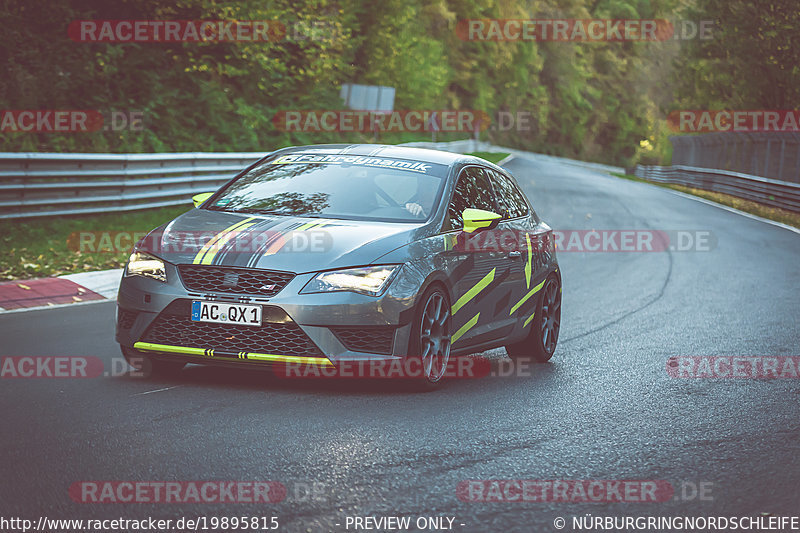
(603, 409)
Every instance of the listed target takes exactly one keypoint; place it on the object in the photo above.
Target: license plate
(226, 313)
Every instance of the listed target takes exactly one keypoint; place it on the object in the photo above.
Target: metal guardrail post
(771, 192)
(50, 184)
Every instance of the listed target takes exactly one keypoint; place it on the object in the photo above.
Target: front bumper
(330, 321)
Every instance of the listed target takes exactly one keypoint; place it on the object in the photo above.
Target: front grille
(231, 280)
(372, 339)
(174, 326)
(126, 318)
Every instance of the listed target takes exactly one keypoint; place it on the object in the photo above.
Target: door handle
(514, 254)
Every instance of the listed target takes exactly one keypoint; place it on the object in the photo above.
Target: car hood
(294, 244)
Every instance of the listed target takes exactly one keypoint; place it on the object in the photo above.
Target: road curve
(603, 409)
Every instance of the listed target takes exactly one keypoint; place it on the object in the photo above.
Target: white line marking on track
(734, 210)
(157, 390)
(505, 160)
(721, 206)
(55, 306)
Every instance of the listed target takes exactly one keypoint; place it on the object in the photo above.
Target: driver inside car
(426, 190)
(368, 195)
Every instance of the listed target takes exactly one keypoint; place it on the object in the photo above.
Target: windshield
(337, 186)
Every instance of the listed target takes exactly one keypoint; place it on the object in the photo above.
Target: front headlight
(371, 281)
(142, 264)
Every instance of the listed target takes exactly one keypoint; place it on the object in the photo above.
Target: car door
(482, 267)
(529, 270)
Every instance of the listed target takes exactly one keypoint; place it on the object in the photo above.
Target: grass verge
(748, 206)
(50, 246)
(494, 157)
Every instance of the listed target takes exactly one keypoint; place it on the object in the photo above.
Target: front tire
(540, 344)
(430, 336)
(149, 366)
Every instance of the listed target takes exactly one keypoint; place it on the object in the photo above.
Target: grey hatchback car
(333, 254)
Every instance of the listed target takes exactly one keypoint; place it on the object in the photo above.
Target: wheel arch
(434, 278)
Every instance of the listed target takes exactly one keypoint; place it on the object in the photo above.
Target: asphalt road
(603, 409)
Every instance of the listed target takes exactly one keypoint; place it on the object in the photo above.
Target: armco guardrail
(471, 145)
(766, 191)
(760, 153)
(49, 184)
(37, 185)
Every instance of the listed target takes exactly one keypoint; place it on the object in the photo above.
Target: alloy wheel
(551, 316)
(435, 337)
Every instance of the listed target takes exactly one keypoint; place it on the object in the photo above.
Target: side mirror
(477, 219)
(198, 199)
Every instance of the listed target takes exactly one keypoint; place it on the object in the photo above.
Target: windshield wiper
(288, 214)
(269, 212)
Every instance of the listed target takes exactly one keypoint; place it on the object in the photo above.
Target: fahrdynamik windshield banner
(415, 166)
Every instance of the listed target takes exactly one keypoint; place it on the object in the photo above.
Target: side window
(472, 190)
(508, 195)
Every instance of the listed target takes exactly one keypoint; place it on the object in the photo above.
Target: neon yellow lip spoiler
(274, 358)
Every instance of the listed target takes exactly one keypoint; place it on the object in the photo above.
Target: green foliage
(752, 61)
(601, 101)
(51, 246)
(494, 157)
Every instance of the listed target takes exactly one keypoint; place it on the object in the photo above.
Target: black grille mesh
(230, 280)
(174, 326)
(366, 339)
(126, 318)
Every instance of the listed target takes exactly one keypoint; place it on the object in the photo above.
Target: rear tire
(149, 366)
(540, 344)
(429, 343)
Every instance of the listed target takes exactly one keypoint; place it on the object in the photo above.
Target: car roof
(424, 155)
